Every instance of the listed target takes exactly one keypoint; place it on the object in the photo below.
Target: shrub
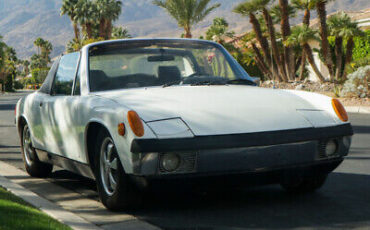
(18, 85)
(9, 83)
(357, 83)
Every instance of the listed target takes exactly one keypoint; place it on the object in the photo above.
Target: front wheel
(115, 188)
(33, 165)
(305, 185)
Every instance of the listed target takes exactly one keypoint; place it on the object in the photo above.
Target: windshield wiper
(208, 83)
(241, 81)
(172, 83)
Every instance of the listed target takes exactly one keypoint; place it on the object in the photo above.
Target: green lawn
(17, 214)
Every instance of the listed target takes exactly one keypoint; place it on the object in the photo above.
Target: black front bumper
(235, 179)
(233, 154)
(240, 140)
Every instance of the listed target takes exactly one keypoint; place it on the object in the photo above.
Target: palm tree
(46, 49)
(187, 13)
(325, 47)
(301, 35)
(69, 8)
(39, 42)
(86, 15)
(26, 66)
(307, 6)
(249, 9)
(2, 63)
(276, 13)
(271, 31)
(285, 32)
(219, 30)
(342, 28)
(119, 32)
(108, 11)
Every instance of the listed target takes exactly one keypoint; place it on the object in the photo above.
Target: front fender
(109, 118)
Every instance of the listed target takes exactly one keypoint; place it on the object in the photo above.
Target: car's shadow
(344, 202)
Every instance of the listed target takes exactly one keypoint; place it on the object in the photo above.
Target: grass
(17, 214)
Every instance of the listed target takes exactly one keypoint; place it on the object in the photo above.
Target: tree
(86, 16)
(26, 67)
(107, 12)
(2, 63)
(219, 30)
(37, 62)
(39, 42)
(285, 32)
(249, 9)
(187, 13)
(8, 68)
(325, 48)
(307, 6)
(272, 35)
(119, 32)
(301, 35)
(69, 8)
(343, 29)
(44, 49)
(276, 13)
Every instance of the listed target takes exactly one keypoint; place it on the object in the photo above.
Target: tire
(116, 190)
(304, 185)
(33, 165)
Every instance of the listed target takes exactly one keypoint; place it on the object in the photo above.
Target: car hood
(216, 110)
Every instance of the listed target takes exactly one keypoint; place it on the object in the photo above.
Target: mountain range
(22, 21)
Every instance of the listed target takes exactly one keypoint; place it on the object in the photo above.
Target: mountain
(22, 21)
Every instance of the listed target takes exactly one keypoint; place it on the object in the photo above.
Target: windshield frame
(239, 71)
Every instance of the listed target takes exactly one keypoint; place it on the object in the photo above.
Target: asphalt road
(343, 203)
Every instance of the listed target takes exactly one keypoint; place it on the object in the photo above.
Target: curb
(9, 177)
(358, 109)
(51, 209)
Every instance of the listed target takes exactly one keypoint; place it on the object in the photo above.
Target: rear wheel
(115, 188)
(305, 185)
(33, 165)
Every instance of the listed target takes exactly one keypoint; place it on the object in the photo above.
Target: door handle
(41, 104)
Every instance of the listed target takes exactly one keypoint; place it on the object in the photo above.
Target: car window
(77, 90)
(146, 63)
(65, 75)
(46, 86)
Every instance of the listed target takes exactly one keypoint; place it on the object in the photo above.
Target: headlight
(170, 162)
(339, 110)
(347, 141)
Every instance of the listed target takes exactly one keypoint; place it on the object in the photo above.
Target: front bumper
(252, 152)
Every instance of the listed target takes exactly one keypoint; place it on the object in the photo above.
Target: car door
(38, 117)
(62, 130)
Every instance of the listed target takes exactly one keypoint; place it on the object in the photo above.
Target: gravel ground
(323, 88)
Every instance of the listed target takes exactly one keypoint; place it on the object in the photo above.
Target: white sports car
(131, 113)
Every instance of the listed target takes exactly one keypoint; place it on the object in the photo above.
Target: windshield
(145, 63)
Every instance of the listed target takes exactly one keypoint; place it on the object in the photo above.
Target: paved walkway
(64, 205)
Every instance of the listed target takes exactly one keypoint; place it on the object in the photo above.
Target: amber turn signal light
(121, 129)
(135, 123)
(339, 110)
